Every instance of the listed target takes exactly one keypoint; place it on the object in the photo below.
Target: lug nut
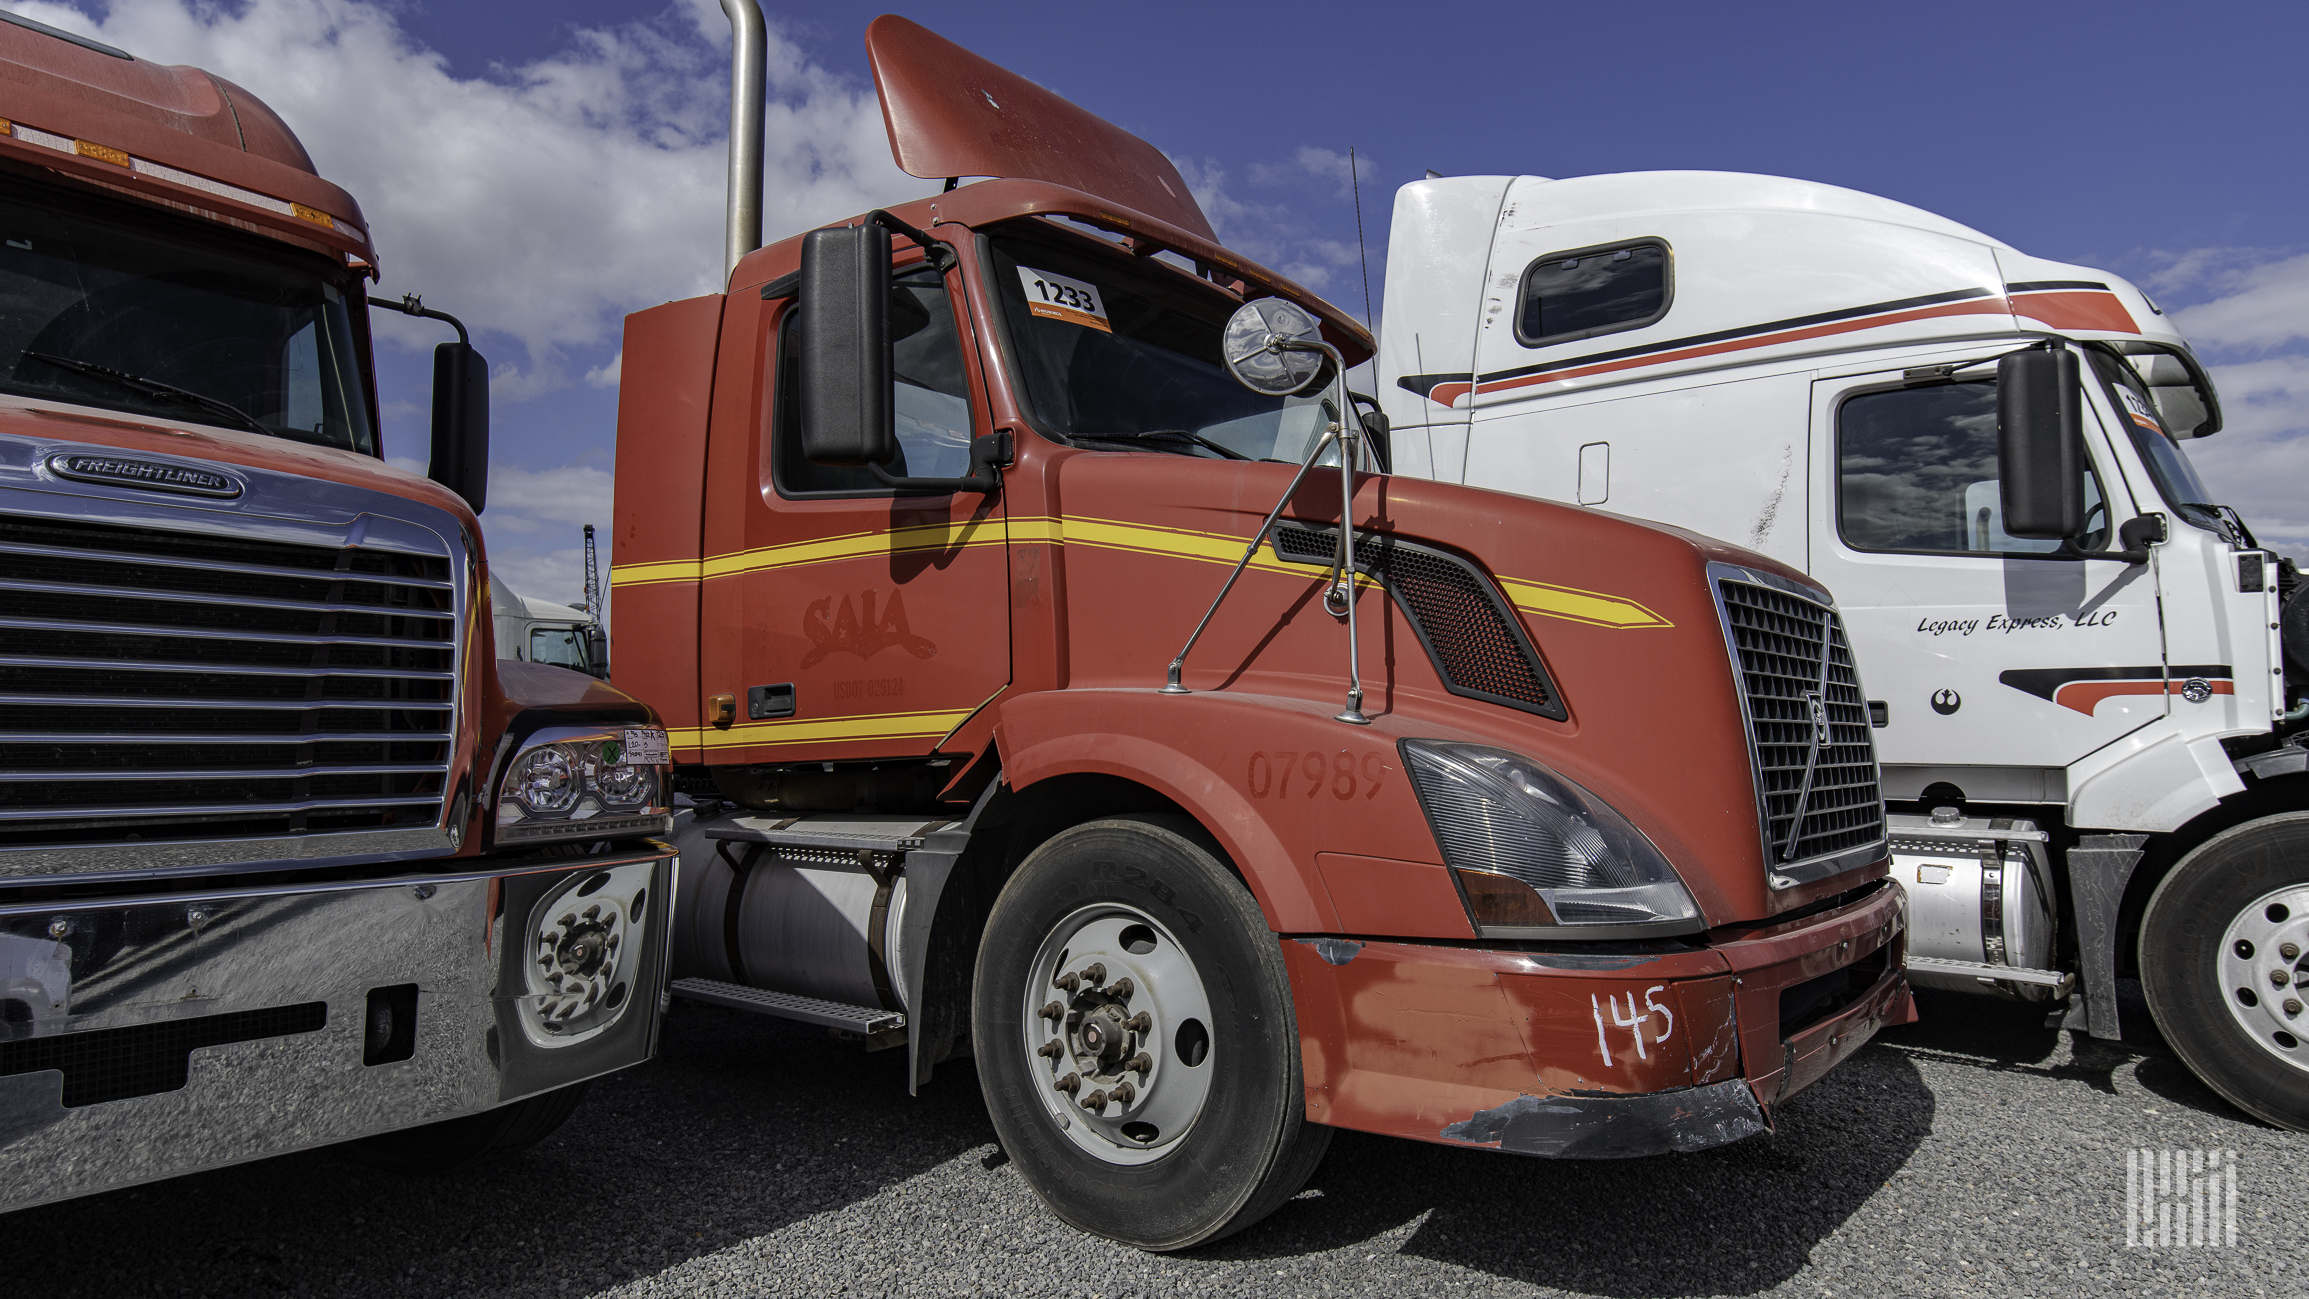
(1094, 1102)
(1052, 1011)
(1070, 981)
(2279, 978)
(1070, 1084)
(1142, 1064)
(1050, 1050)
(2292, 1007)
(1124, 1093)
(1139, 1023)
(2290, 951)
(1095, 972)
(1121, 989)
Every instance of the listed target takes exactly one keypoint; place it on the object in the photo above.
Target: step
(2060, 981)
(853, 832)
(867, 1020)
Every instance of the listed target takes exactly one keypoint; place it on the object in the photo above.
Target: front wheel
(1133, 1027)
(2224, 950)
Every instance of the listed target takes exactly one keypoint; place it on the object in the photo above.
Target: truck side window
(1917, 471)
(930, 393)
(1590, 291)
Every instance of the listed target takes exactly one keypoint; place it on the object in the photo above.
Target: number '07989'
(1311, 773)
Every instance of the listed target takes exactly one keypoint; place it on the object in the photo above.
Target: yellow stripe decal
(821, 730)
(1541, 599)
(1570, 603)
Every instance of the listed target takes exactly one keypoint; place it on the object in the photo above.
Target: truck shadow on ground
(2013, 1036)
(1735, 1220)
(741, 1127)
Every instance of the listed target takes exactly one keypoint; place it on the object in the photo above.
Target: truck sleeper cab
(2091, 727)
(287, 857)
(1598, 872)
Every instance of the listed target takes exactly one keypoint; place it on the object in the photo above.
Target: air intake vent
(1808, 734)
(1470, 634)
(159, 685)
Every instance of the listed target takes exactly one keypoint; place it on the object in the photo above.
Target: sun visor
(952, 113)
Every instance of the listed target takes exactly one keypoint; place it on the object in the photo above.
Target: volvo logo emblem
(2196, 690)
(1945, 702)
(1819, 709)
(152, 475)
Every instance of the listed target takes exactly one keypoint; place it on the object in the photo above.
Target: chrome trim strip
(219, 773)
(170, 701)
(261, 570)
(211, 597)
(58, 812)
(210, 633)
(224, 669)
(147, 859)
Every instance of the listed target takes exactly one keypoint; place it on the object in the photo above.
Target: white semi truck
(2087, 675)
(540, 631)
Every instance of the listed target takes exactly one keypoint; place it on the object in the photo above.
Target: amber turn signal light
(1502, 900)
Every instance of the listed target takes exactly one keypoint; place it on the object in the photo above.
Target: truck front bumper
(1594, 1054)
(165, 1033)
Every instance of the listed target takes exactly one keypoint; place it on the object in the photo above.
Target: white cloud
(607, 374)
(2251, 321)
(545, 200)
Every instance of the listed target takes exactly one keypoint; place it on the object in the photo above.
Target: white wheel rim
(2264, 958)
(1152, 1074)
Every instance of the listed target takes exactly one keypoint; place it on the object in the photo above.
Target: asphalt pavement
(1975, 1153)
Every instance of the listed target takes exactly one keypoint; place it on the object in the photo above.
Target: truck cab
(1815, 373)
(287, 856)
(1066, 680)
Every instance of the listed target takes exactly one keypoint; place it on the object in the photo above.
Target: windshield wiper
(155, 388)
(1164, 435)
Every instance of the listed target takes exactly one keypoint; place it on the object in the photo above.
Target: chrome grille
(160, 685)
(1777, 635)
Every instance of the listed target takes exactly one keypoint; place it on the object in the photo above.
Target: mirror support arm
(988, 456)
(411, 305)
(941, 253)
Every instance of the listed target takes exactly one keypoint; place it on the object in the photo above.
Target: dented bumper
(1593, 1054)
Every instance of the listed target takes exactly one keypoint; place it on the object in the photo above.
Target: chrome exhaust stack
(749, 75)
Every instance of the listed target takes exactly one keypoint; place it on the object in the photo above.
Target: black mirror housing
(461, 422)
(847, 417)
(2040, 444)
(597, 651)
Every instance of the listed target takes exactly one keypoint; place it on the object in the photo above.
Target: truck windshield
(2137, 410)
(563, 647)
(1117, 356)
(104, 305)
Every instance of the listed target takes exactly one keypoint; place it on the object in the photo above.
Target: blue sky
(542, 168)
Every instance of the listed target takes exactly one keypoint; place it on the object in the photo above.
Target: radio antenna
(1355, 179)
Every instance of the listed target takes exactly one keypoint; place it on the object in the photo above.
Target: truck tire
(2224, 948)
(1162, 1113)
(454, 1145)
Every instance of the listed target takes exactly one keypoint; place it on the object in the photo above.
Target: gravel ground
(1976, 1153)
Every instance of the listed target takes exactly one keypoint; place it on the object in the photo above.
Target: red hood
(125, 432)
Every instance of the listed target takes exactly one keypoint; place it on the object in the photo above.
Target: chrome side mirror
(1273, 347)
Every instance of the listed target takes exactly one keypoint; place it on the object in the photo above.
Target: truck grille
(1777, 638)
(159, 685)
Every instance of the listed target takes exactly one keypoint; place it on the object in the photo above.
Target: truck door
(1987, 650)
(873, 620)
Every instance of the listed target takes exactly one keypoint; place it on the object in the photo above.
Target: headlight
(575, 783)
(1534, 852)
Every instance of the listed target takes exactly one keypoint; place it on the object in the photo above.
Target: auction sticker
(643, 748)
(1060, 298)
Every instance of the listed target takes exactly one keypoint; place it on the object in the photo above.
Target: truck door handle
(770, 701)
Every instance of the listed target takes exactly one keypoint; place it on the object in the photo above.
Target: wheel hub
(1123, 991)
(2263, 962)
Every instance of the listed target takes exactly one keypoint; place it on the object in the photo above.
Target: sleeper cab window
(1583, 292)
(1917, 471)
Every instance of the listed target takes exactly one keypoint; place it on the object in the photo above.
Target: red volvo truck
(288, 856)
(1487, 821)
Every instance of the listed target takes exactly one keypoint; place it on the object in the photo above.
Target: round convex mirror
(1253, 355)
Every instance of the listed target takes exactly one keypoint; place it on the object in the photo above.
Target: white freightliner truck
(2087, 674)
